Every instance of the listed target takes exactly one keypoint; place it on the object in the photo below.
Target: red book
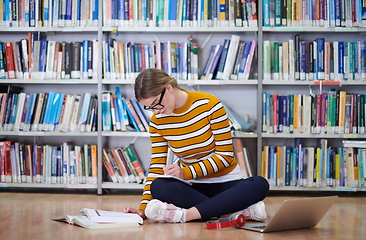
(2, 161)
(143, 57)
(28, 163)
(7, 161)
(10, 68)
(38, 161)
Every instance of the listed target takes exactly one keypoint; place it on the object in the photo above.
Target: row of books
(160, 13)
(123, 165)
(336, 112)
(321, 166)
(314, 60)
(123, 114)
(232, 60)
(126, 60)
(63, 164)
(49, 111)
(49, 13)
(38, 58)
(180, 13)
(310, 13)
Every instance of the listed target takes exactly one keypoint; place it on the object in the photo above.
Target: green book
(135, 161)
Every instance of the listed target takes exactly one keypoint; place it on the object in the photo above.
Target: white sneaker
(256, 212)
(160, 211)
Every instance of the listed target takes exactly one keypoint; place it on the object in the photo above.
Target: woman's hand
(141, 213)
(174, 170)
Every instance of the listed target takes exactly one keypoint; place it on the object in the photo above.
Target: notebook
(295, 214)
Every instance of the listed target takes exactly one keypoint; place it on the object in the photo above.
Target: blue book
(84, 59)
(106, 111)
(293, 167)
(59, 111)
(28, 117)
(114, 12)
(126, 14)
(140, 113)
(122, 112)
(84, 111)
(120, 10)
(220, 69)
(271, 165)
(338, 13)
(14, 110)
(107, 60)
(68, 14)
(346, 59)
(7, 12)
(244, 59)
(266, 13)
(53, 112)
(48, 109)
(285, 114)
(208, 63)
(56, 111)
(95, 12)
(340, 69)
(328, 175)
(362, 57)
(287, 166)
(213, 68)
(172, 12)
(130, 117)
(32, 13)
(55, 12)
(302, 48)
(320, 59)
(42, 58)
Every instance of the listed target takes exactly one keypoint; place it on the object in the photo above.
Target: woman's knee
(161, 187)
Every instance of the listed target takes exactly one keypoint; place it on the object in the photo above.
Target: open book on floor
(98, 219)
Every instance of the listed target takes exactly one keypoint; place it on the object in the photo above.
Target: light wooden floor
(28, 216)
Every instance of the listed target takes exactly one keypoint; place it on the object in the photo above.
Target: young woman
(196, 128)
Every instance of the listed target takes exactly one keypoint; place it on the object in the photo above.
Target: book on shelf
(238, 123)
(123, 164)
(239, 154)
(100, 219)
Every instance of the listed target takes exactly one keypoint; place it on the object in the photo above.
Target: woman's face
(161, 103)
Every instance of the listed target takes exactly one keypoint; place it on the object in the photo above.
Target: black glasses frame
(157, 106)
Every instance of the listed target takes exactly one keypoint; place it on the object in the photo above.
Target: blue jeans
(211, 199)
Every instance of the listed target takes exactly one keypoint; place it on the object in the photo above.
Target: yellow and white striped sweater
(200, 133)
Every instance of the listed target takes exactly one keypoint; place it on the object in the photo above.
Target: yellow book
(222, 10)
(265, 162)
(94, 163)
(317, 168)
(342, 111)
(279, 159)
(296, 113)
(337, 170)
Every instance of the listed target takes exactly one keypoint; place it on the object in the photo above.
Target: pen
(177, 160)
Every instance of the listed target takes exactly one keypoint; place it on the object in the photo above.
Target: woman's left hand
(174, 170)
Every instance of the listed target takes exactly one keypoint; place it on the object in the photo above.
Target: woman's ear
(169, 88)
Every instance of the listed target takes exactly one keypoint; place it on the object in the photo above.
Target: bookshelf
(305, 87)
(239, 91)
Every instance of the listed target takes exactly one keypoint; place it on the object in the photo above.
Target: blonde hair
(151, 82)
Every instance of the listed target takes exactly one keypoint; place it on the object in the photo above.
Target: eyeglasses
(158, 106)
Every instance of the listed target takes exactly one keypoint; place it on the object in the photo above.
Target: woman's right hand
(141, 213)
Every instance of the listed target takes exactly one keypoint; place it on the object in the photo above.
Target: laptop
(295, 214)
